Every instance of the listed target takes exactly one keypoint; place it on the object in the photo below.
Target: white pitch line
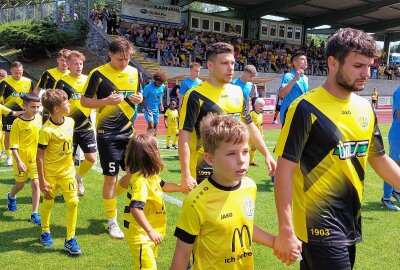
(168, 198)
(6, 170)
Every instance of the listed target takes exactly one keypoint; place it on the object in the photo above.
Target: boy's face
(63, 107)
(230, 162)
(172, 105)
(258, 107)
(75, 65)
(119, 61)
(31, 108)
(62, 63)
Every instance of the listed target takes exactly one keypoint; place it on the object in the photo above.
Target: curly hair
(160, 76)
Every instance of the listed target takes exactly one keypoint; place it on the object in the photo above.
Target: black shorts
(316, 257)
(278, 108)
(7, 123)
(112, 154)
(86, 141)
(203, 171)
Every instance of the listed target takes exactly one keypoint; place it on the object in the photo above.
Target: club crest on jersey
(248, 208)
(131, 80)
(363, 122)
(237, 101)
(351, 149)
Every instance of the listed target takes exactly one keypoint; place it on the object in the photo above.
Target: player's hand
(136, 99)
(155, 237)
(271, 164)
(21, 167)
(299, 72)
(285, 245)
(44, 186)
(187, 184)
(114, 99)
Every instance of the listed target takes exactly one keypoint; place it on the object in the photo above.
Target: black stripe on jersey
(129, 195)
(162, 183)
(47, 81)
(140, 256)
(13, 148)
(126, 224)
(42, 146)
(184, 236)
(357, 166)
(99, 85)
(66, 87)
(6, 90)
(10, 114)
(221, 187)
(136, 204)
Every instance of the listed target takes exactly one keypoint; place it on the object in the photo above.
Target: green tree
(395, 48)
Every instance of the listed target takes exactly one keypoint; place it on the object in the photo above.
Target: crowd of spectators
(106, 19)
(179, 46)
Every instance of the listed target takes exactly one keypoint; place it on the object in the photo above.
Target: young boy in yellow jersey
(56, 168)
(171, 118)
(24, 138)
(216, 220)
(257, 118)
(73, 84)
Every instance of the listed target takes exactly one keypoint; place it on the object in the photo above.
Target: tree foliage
(395, 48)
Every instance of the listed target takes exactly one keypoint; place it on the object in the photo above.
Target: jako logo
(240, 234)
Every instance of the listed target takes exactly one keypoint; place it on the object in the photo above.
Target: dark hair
(16, 64)
(217, 48)
(347, 40)
(172, 100)
(52, 98)
(142, 155)
(30, 97)
(160, 76)
(120, 45)
(297, 54)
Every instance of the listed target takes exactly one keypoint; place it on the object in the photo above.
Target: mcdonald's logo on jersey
(240, 234)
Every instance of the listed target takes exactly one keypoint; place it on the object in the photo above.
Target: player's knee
(72, 202)
(19, 185)
(91, 158)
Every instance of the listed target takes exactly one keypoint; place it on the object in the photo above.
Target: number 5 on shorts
(111, 165)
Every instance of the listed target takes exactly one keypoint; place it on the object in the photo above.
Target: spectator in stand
(190, 82)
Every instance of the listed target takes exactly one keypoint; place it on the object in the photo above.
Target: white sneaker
(81, 189)
(275, 122)
(9, 161)
(115, 232)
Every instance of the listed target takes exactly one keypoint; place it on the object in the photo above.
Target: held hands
(187, 184)
(155, 237)
(287, 248)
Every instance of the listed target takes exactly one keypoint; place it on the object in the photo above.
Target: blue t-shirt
(153, 95)
(188, 84)
(394, 132)
(299, 88)
(246, 88)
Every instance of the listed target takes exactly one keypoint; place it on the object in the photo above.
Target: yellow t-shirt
(172, 117)
(146, 194)
(12, 92)
(257, 119)
(74, 87)
(24, 137)
(218, 221)
(50, 77)
(56, 140)
(330, 139)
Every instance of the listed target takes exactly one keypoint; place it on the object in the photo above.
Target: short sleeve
(189, 222)
(44, 138)
(14, 135)
(286, 79)
(146, 91)
(139, 188)
(92, 84)
(189, 112)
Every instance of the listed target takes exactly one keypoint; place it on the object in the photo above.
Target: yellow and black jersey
(24, 137)
(112, 120)
(331, 140)
(5, 111)
(13, 90)
(144, 193)
(257, 119)
(74, 87)
(50, 77)
(206, 98)
(172, 117)
(218, 221)
(56, 140)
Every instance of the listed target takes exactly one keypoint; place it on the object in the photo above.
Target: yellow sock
(84, 167)
(110, 205)
(252, 154)
(8, 153)
(119, 189)
(168, 140)
(72, 214)
(45, 213)
(175, 140)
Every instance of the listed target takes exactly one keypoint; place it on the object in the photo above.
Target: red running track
(384, 117)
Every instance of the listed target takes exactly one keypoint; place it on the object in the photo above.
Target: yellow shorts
(31, 171)
(67, 184)
(172, 131)
(144, 255)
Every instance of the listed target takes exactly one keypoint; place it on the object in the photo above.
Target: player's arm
(170, 187)
(182, 254)
(286, 242)
(165, 121)
(14, 144)
(113, 99)
(262, 237)
(284, 90)
(187, 181)
(257, 141)
(40, 84)
(44, 185)
(141, 219)
(387, 169)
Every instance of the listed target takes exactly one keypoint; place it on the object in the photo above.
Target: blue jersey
(188, 84)
(153, 95)
(299, 88)
(394, 132)
(246, 88)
